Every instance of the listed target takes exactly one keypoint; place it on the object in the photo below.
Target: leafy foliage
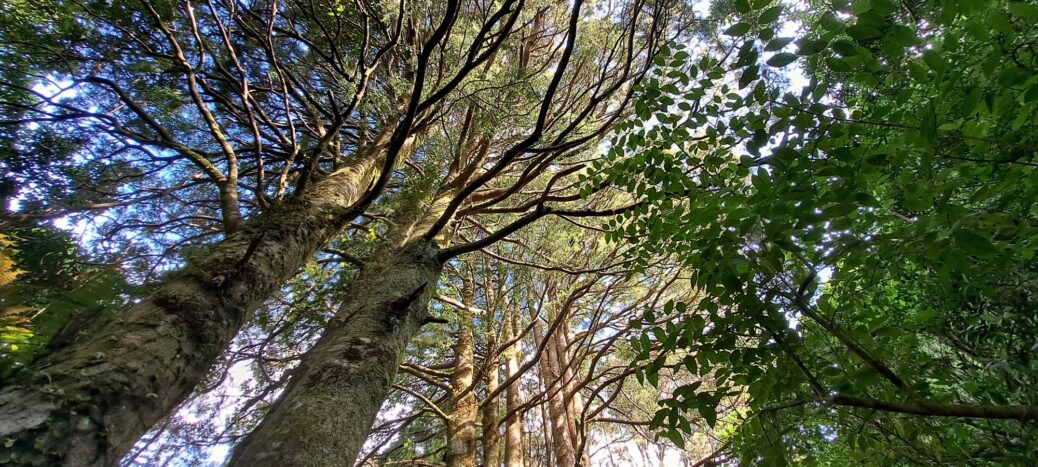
(870, 235)
(47, 294)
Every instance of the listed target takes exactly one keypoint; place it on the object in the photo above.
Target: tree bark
(491, 415)
(551, 378)
(571, 394)
(324, 415)
(89, 402)
(461, 425)
(513, 399)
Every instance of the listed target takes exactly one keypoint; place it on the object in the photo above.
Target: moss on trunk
(89, 402)
(324, 415)
(461, 424)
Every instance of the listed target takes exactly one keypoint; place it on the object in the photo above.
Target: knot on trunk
(399, 308)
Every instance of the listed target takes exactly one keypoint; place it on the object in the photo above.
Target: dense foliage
(866, 239)
(737, 232)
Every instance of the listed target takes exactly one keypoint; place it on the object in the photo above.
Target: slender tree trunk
(491, 419)
(89, 402)
(546, 434)
(551, 377)
(324, 415)
(461, 425)
(574, 402)
(513, 399)
(492, 408)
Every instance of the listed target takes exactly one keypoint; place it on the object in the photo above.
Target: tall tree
(215, 96)
(865, 240)
(523, 164)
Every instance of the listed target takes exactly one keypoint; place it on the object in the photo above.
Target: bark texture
(551, 378)
(88, 403)
(325, 413)
(491, 418)
(570, 392)
(513, 399)
(461, 425)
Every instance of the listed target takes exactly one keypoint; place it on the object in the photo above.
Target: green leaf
(934, 60)
(771, 14)
(918, 197)
(748, 76)
(863, 32)
(709, 412)
(811, 47)
(652, 375)
(830, 22)
(1024, 10)
(675, 437)
(845, 48)
(788, 245)
(738, 29)
(777, 43)
(781, 59)
(974, 243)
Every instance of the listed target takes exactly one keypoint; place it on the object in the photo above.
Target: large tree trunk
(89, 402)
(324, 415)
(461, 425)
(513, 399)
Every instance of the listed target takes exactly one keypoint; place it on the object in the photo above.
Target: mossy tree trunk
(89, 402)
(461, 425)
(324, 415)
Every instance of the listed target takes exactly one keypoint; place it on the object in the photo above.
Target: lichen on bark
(88, 402)
(350, 370)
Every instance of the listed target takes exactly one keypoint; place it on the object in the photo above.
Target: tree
(352, 368)
(218, 96)
(564, 281)
(856, 237)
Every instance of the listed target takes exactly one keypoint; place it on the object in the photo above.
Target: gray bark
(89, 402)
(324, 415)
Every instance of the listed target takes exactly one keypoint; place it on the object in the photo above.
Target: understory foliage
(47, 295)
(745, 232)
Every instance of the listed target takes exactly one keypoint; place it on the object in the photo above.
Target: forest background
(519, 232)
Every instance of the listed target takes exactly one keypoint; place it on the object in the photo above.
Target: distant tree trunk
(325, 413)
(492, 408)
(551, 377)
(461, 425)
(513, 399)
(89, 402)
(574, 401)
(491, 418)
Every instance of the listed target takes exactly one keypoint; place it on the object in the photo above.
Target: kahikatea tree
(866, 240)
(275, 125)
(564, 384)
(509, 166)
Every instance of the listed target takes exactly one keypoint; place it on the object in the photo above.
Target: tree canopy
(644, 232)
